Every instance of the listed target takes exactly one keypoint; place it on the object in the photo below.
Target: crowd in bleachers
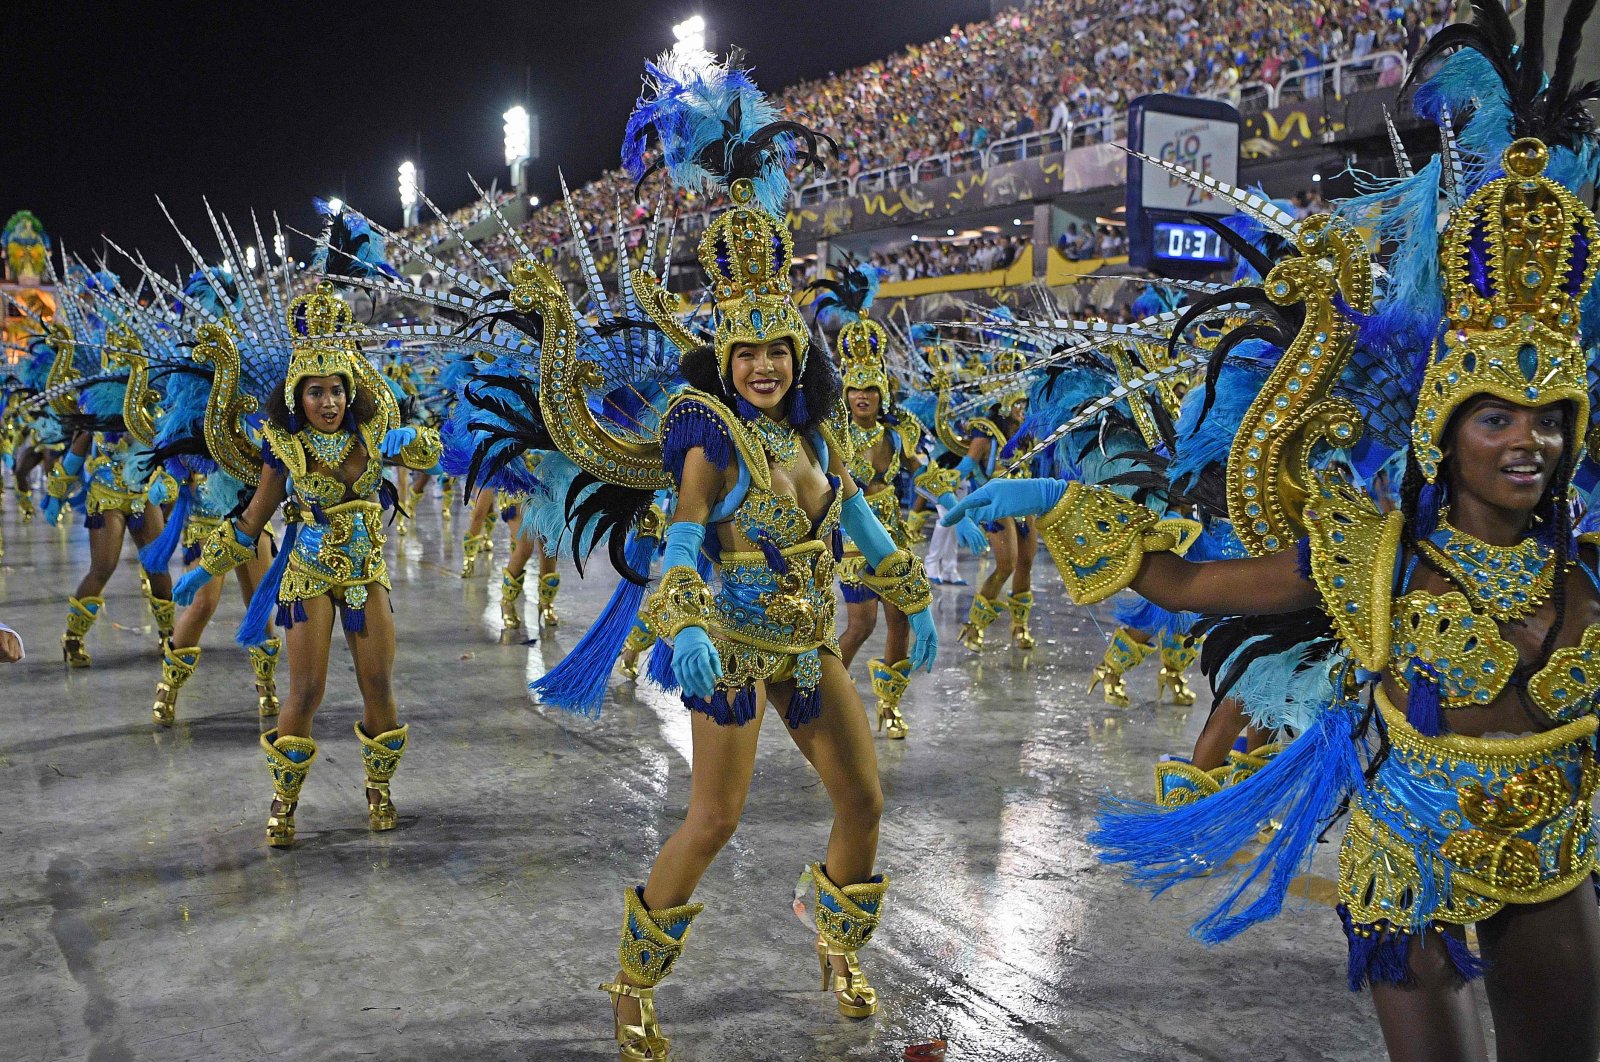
(1041, 67)
(939, 258)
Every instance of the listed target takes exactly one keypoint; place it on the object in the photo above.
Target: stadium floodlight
(409, 187)
(277, 245)
(250, 258)
(690, 36)
(533, 201)
(519, 135)
(336, 205)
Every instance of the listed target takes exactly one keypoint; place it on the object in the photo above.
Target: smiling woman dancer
(1462, 690)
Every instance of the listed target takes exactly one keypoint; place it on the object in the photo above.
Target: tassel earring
(799, 411)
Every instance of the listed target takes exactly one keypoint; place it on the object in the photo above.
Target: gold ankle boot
(81, 615)
(510, 594)
(638, 641)
(889, 682)
(982, 613)
(25, 505)
(652, 942)
(846, 918)
(1123, 654)
(165, 613)
(381, 757)
(264, 662)
(471, 547)
(177, 666)
(548, 585)
(1020, 605)
(289, 759)
(1177, 653)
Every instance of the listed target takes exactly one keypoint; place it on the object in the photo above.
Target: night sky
(264, 105)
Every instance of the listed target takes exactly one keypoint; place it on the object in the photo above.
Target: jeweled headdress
(318, 322)
(718, 133)
(862, 342)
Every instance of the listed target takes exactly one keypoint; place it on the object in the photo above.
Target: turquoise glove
(695, 663)
(926, 647)
(72, 464)
(397, 439)
(681, 545)
(1001, 498)
(864, 529)
(969, 467)
(968, 533)
(158, 492)
(52, 510)
(183, 593)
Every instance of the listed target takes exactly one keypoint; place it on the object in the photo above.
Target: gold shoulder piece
(1098, 540)
(564, 379)
(744, 441)
(124, 351)
(836, 433)
(1269, 478)
(662, 306)
(286, 448)
(910, 429)
(1353, 553)
(226, 406)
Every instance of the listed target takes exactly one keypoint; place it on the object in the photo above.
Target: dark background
(265, 104)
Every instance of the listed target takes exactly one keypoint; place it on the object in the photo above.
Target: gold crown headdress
(863, 343)
(746, 254)
(317, 324)
(1518, 257)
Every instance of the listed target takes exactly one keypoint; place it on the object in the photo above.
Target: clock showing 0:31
(1189, 243)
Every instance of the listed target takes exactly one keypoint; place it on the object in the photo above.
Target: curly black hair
(823, 388)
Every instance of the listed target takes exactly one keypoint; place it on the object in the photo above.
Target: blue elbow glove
(158, 492)
(969, 467)
(695, 663)
(397, 439)
(72, 464)
(681, 545)
(926, 646)
(52, 511)
(183, 593)
(1002, 498)
(968, 533)
(864, 529)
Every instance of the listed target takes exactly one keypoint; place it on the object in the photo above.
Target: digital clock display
(1189, 243)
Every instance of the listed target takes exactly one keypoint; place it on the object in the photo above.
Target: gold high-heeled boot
(381, 757)
(548, 585)
(638, 641)
(289, 759)
(177, 667)
(1020, 605)
(846, 918)
(510, 594)
(889, 682)
(25, 504)
(1123, 654)
(652, 942)
(471, 547)
(164, 611)
(264, 662)
(982, 613)
(81, 615)
(1177, 653)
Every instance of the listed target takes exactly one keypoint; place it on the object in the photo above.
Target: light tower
(410, 185)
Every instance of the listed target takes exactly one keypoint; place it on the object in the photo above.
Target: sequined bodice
(781, 520)
(322, 487)
(862, 443)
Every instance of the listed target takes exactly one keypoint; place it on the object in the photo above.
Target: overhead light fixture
(949, 232)
(1316, 178)
(336, 205)
(1016, 221)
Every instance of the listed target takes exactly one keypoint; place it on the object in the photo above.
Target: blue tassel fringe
(253, 628)
(157, 555)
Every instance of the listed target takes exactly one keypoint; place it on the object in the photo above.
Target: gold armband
(222, 552)
(60, 483)
(423, 452)
(682, 600)
(938, 481)
(1098, 540)
(164, 476)
(900, 580)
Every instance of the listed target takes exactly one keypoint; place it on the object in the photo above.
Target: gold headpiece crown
(746, 255)
(1514, 279)
(318, 322)
(862, 344)
(1002, 385)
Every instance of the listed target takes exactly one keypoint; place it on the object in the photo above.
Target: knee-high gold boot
(25, 504)
(1020, 605)
(162, 609)
(548, 585)
(846, 918)
(1123, 654)
(264, 662)
(471, 547)
(177, 666)
(289, 758)
(982, 613)
(639, 640)
(889, 682)
(510, 594)
(81, 615)
(1177, 653)
(652, 942)
(381, 757)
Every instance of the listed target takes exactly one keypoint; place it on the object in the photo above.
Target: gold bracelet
(1098, 540)
(900, 580)
(222, 552)
(423, 452)
(682, 600)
